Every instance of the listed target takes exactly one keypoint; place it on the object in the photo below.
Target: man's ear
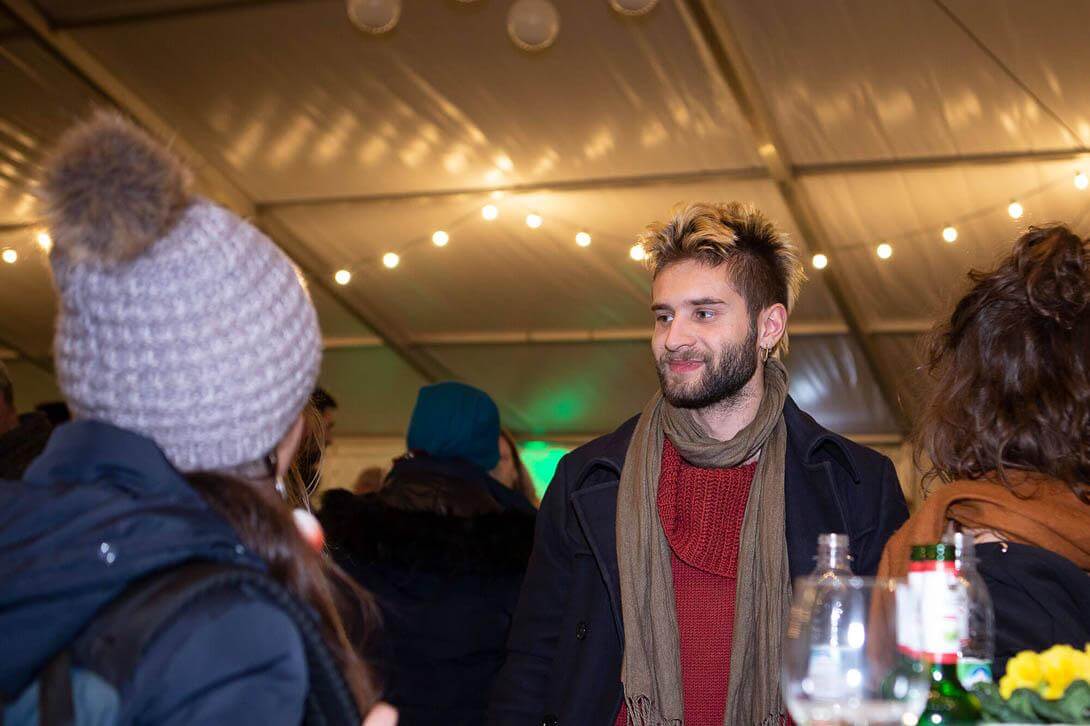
(771, 326)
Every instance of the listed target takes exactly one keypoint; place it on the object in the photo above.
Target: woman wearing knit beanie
(187, 347)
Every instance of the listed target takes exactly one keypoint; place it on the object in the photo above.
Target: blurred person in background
(511, 472)
(442, 555)
(187, 348)
(1006, 430)
(56, 411)
(369, 481)
(22, 438)
(321, 418)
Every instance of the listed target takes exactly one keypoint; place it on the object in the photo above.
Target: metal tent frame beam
(799, 171)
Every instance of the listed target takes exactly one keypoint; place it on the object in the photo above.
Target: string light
(9, 255)
(582, 239)
(950, 233)
(440, 238)
(1081, 180)
(342, 277)
(1015, 210)
(391, 260)
(45, 242)
(637, 252)
(490, 212)
(533, 221)
(884, 251)
(820, 261)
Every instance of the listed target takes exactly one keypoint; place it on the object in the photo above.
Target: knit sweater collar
(701, 511)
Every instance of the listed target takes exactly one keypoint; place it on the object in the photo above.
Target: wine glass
(841, 661)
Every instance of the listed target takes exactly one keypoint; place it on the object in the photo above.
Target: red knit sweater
(701, 511)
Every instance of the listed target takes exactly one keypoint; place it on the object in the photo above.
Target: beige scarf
(651, 669)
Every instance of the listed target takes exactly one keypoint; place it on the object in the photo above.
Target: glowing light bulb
(440, 238)
(1081, 180)
(533, 221)
(45, 242)
(490, 212)
(820, 261)
(638, 253)
(391, 260)
(9, 255)
(582, 239)
(950, 233)
(884, 251)
(342, 277)
(1015, 210)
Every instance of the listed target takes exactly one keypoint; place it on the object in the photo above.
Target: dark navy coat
(564, 654)
(99, 509)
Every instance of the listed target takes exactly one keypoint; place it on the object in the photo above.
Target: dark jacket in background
(564, 655)
(445, 562)
(100, 509)
(429, 478)
(23, 444)
(1040, 598)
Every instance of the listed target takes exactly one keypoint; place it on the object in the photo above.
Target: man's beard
(721, 380)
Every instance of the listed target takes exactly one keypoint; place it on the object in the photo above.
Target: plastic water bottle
(978, 643)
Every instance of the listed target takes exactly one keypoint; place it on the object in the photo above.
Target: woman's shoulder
(231, 647)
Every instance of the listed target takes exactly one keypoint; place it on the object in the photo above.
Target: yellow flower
(1007, 686)
(1059, 667)
(1025, 669)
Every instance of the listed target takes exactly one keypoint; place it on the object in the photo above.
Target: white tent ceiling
(849, 122)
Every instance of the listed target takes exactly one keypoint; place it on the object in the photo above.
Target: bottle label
(943, 613)
(908, 618)
(972, 671)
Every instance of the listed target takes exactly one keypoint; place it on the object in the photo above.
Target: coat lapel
(596, 510)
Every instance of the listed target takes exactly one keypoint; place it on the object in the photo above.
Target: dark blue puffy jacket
(99, 509)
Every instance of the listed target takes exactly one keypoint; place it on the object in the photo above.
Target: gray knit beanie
(177, 319)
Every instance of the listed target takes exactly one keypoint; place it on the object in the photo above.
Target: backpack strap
(55, 707)
(116, 640)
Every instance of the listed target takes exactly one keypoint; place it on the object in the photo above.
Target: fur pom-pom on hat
(110, 190)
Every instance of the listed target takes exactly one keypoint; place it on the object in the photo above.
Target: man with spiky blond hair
(659, 586)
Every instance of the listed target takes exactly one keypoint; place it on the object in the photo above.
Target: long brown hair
(264, 523)
(524, 484)
(1011, 368)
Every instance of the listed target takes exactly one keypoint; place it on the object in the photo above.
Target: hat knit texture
(178, 320)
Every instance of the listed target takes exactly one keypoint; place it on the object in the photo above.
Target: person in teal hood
(443, 547)
(455, 431)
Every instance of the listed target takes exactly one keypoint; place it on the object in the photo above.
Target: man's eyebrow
(661, 306)
(706, 301)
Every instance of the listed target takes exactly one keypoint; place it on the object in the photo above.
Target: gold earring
(764, 354)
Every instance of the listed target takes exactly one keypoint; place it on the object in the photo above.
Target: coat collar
(87, 450)
(813, 503)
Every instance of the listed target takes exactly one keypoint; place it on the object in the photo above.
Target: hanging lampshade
(633, 7)
(374, 16)
(533, 24)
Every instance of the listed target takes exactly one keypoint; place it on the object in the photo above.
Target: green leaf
(1022, 702)
(997, 710)
(1075, 703)
(1049, 711)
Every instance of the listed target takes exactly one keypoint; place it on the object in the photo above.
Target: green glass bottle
(944, 625)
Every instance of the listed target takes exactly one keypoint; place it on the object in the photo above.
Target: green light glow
(541, 458)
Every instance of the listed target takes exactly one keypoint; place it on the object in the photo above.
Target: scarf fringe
(642, 712)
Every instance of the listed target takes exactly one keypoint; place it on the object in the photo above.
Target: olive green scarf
(651, 669)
